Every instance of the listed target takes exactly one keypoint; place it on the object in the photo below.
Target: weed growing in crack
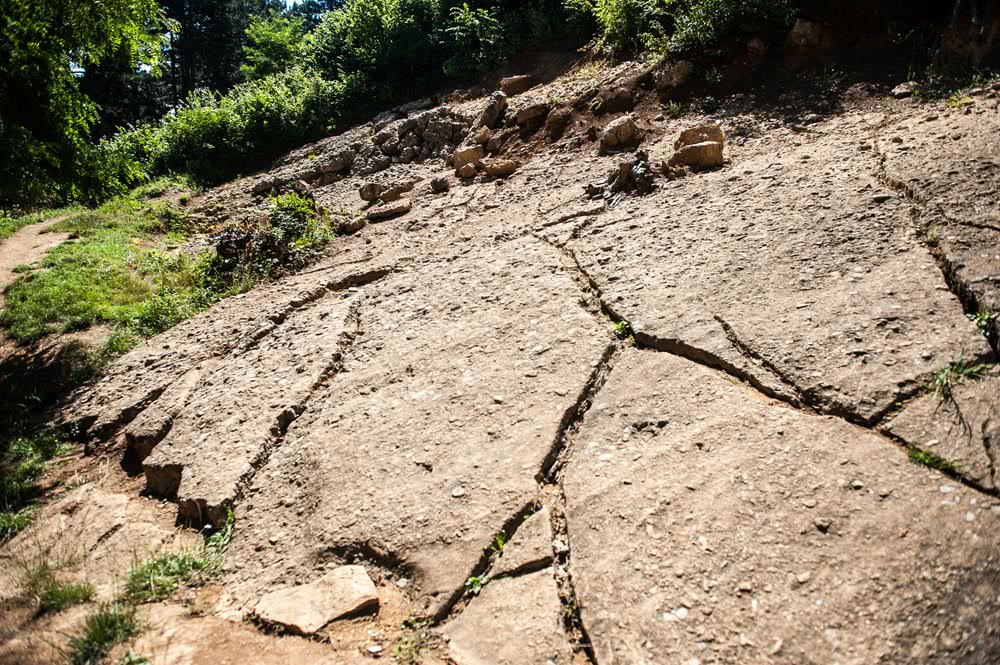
(132, 658)
(499, 540)
(983, 320)
(474, 585)
(945, 379)
(415, 637)
(932, 461)
(161, 576)
(111, 624)
(40, 584)
(623, 330)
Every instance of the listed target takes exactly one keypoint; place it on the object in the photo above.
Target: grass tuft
(944, 380)
(109, 625)
(41, 585)
(415, 637)
(161, 576)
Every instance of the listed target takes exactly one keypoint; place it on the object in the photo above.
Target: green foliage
(631, 26)
(45, 120)
(627, 26)
(295, 234)
(272, 45)
(709, 23)
(112, 274)
(474, 585)
(499, 541)
(23, 460)
(931, 460)
(40, 584)
(984, 320)
(475, 38)
(959, 369)
(160, 577)
(109, 625)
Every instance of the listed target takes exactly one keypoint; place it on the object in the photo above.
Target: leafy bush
(708, 23)
(295, 233)
(475, 37)
(272, 45)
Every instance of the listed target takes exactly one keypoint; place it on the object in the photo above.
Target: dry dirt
(729, 485)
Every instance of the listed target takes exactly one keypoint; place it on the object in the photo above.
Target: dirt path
(28, 245)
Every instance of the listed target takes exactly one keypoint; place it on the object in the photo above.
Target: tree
(272, 45)
(45, 119)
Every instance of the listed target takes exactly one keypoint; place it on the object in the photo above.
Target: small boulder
(371, 191)
(501, 168)
(389, 210)
(467, 155)
(556, 123)
(612, 100)
(467, 171)
(700, 134)
(704, 155)
(904, 90)
(305, 609)
(808, 34)
(515, 85)
(396, 190)
(532, 112)
(672, 76)
(492, 114)
(620, 134)
(484, 135)
(440, 185)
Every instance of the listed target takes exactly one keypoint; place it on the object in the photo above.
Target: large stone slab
(304, 609)
(707, 524)
(947, 160)
(514, 621)
(793, 262)
(432, 438)
(242, 408)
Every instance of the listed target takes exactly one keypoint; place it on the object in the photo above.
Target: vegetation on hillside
(95, 102)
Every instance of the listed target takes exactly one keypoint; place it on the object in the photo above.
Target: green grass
(983, 320)
(118, 271)
(23, 461)
(109, 625)
(40, 584)
(931, 460)
(474, 585)
(944, 380)
(161, 576)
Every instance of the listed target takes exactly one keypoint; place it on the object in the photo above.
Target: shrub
(295, 233)
(475, 40)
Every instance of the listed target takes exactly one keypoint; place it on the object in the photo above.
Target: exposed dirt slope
(732, 487)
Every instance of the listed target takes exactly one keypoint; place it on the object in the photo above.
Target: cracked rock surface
(709, 523)
(687, 412)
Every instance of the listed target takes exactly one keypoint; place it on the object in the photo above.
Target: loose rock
(515, 85)
(620, 134)
(389, 210)
(500, 168)
(305, 609)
